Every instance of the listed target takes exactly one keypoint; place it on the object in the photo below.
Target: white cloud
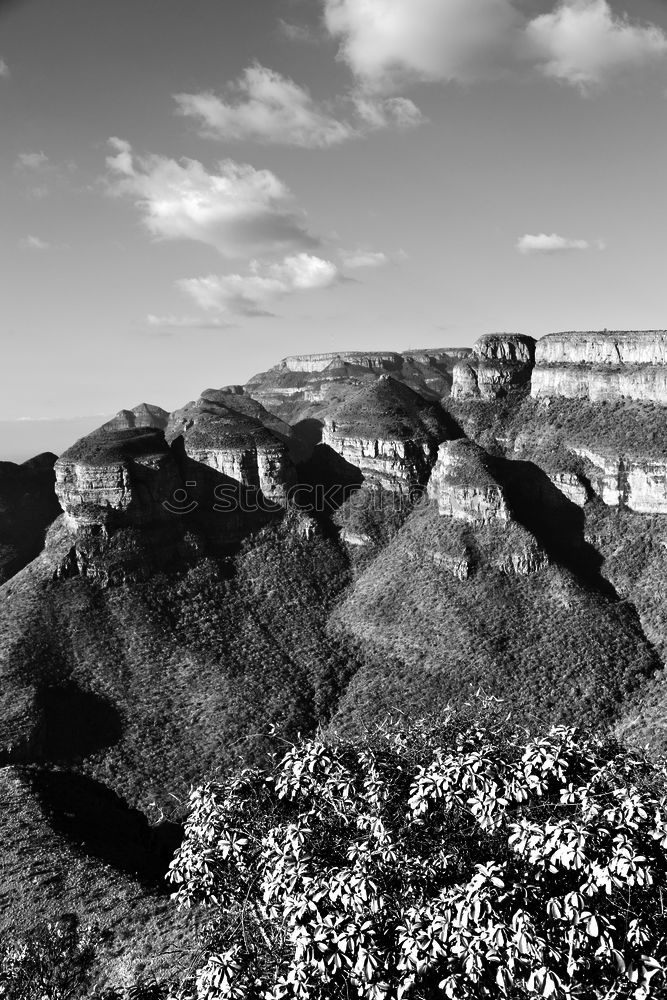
(33, 243)
(584, 43)
(363, 258)
(238, 210)
(186, 322)
(545, 244)
(266, 107)
(252, 293)
(4, 70)
(32, 161)
(386, 42)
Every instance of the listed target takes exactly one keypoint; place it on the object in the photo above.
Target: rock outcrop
(622, 481)
(144, 415)
(233, 435)
(390, 433)
(382, 360)
(602, 366)
(116, 479)
(464, 484)
(120, 492)
(500, 364)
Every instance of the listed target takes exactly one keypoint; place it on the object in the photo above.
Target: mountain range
(348, 536)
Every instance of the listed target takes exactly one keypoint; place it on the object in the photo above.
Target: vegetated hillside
(147, 686)
(539, 430)
(388, 409)
(556, 648)
(70, 847)
(28, 505)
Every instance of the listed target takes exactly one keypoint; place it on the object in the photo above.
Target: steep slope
(71, 847)
(149, 683)
(28, 505)
(491, 584)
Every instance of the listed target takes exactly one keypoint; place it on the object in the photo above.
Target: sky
(191, 191)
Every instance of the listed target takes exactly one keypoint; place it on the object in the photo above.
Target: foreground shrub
(456, 859)
(52, 961)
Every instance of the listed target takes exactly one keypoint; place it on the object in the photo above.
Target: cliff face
(229, 433)
(500, 364)
(640, 484)
(116, 479)
(602, 366)
(115, 490)
(464, 486)
(384, 361)
(388, 432)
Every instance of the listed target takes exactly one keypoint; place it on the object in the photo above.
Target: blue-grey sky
(190, 191)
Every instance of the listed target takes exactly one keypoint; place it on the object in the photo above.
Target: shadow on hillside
(308, 434)
(99, 823)
(327, 477)
(75, 723)
(557, 523)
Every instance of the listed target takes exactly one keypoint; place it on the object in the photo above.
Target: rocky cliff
(116, 479)
(116, 490)
(500, 364)
(464, 485)
(602, 366)
(233, 435)
(389, 433)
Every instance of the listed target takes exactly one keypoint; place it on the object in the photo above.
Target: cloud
(32, 161)
(4, 70)
(264, 106)
(386, 42)
(186, 322)
(250, 294)
(240, 211)
(544, 244)
(33, 243)
(582, 42)
(300, 33)
(363, 258)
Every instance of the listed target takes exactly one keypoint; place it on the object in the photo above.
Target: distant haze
(23, 439)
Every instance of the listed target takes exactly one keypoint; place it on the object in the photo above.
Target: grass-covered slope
(180, 673)
(554, 647)
(70, 847)
(542, 430)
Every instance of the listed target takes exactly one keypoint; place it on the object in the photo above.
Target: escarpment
(608, 365)
(500, 364)
(306, 387)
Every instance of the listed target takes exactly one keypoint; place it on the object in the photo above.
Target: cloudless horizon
(191, 192)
